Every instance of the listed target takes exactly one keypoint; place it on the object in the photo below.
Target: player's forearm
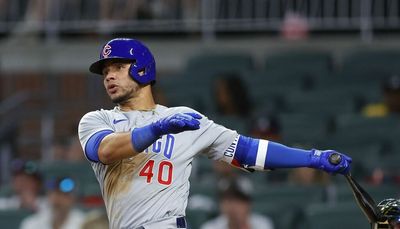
(107, 147)
(261, 154)
(118, 146)
(115, 147)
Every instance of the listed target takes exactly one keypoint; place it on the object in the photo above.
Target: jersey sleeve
(216, 138)
(211, 139)
(90, 124)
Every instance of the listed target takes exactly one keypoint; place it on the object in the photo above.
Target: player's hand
(176, 123)
(320, 160)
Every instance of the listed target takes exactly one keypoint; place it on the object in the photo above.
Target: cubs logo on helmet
(143, 65)
(106, 50)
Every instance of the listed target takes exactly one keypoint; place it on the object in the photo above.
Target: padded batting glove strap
(143, 137)
(320, 160)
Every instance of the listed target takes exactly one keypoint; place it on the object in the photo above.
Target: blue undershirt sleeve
(93, 144)
(262, 154)
(281, 156)
(259, 154)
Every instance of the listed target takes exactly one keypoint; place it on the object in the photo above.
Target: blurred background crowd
(306, 73)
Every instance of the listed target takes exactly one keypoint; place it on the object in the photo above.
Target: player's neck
(142, 101)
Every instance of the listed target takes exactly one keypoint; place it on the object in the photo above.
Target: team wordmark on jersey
(164, 145)
(230, 152)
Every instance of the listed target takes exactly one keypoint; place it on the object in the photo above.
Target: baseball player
(390, 214)
(142, 152)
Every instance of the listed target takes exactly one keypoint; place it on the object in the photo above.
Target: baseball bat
(363, 199)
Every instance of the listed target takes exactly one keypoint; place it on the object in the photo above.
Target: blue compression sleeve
(143, 137)
(263, 154)
(281, 156)
(92, 145)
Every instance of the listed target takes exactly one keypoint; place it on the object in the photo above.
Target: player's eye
(105, 72)
(120, 66)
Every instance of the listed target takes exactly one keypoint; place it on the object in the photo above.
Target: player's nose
(110, 75)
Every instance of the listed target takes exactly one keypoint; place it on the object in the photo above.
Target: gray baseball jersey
(153, 185)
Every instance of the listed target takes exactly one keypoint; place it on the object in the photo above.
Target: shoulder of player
(93, 114)
(181, 109)
(98, 114)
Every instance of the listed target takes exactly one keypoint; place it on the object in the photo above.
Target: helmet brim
(97, 67)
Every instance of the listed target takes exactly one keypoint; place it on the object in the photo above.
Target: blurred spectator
(384, 171)
(224, 171)
(191, 11)
(26, 186)
(391, 99)
(67, 149)
(36, 11)
(115, 11)
(235, 207)
(95, 220)
(231, 96)
(308, 177)
(294, 26)
(60, 214)
(166, 9)
(377, 176)
(59, 149)
(221, 172)
(124, 10)
(74, 151)
(266, 127)
(34, 19)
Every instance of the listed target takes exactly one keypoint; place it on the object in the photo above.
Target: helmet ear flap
(131, 73)
(143, 75)
(136, 73)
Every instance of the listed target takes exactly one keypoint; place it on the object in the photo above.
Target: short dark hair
(26, 167)
(235, 189)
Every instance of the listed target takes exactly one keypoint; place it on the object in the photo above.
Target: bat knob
(335, 158)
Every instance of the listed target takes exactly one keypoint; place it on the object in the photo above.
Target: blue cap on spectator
(64, 184)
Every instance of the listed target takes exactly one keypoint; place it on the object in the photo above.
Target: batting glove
(143, 137)
(320, 160)
(176, 123)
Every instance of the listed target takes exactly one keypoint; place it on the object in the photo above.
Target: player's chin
(118, 99)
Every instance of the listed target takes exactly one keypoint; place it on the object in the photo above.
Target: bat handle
(335, 158)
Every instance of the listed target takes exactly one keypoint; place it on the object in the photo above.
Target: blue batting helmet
(143, 67)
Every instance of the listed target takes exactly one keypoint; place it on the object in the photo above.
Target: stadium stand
(315, 89)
